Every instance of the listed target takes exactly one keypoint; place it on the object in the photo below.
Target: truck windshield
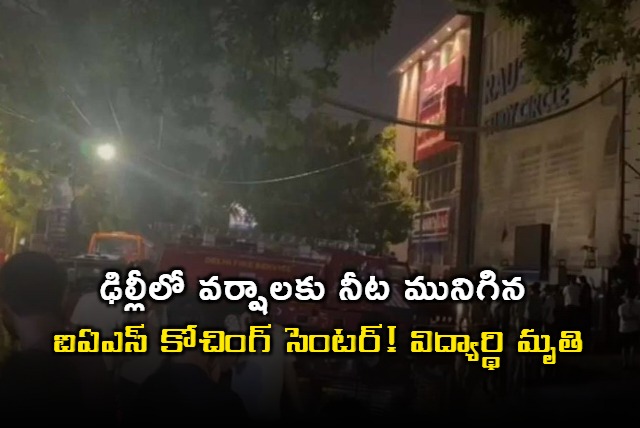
(116, 246)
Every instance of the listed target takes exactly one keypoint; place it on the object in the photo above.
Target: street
(593, 386)
(588, 386)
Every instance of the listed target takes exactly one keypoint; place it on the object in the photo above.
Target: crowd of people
(156, 388)
(37, 384)
(549, 309)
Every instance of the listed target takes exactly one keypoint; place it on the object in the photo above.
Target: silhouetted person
(586, 307)
(549, 310)
(91, 311)
(263, 380)
(133, 369)
(533, 310)
(626, 262)
(36, 383)
(186, 389)
(550, 320)
(629, 327)
(571, 293)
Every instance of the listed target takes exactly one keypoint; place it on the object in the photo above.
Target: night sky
(365, 79)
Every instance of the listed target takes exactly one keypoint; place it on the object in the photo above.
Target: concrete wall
(563, 171)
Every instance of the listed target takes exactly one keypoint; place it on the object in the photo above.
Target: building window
(418, 185)
(438, 180)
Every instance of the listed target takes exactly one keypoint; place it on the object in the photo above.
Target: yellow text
(367, 340)
(86, 340)
(176, 340)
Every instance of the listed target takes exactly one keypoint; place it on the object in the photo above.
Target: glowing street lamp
(106, 152)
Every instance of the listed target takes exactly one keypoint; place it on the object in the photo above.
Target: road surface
(592, 387)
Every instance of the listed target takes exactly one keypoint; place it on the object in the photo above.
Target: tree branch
(28, 8)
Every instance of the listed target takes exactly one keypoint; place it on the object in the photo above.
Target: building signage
(505, 81)
(431, 224)
(435, 79)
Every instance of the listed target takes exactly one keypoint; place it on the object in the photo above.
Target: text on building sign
(507, 80)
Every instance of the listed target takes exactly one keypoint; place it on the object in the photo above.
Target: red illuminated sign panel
(435, 80)
(431, 224)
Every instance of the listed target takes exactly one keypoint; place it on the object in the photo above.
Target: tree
(22, 187)
(364, 196)
(89, 68)
(595, 32)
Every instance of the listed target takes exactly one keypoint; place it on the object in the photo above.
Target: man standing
(626, 262)
(186, 390)
(91, 311)
(571, 294)
(549, 310)
(261, 379)
(35, 382)
(533, 312)
(629, 327)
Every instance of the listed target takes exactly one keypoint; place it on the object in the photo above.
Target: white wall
(567, 165)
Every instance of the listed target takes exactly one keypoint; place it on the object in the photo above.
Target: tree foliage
(565, 41)
(86, 69)
(362, 199)
(22, 186)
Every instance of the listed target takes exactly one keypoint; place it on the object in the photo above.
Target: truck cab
(84, 275)
(131, 247)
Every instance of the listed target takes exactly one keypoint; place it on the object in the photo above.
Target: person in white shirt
(90, 311)
(571, 294)
(136, 368)
(629, 328)
(261, 379)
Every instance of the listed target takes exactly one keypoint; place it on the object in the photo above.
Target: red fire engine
(239, 260)
(331, 374)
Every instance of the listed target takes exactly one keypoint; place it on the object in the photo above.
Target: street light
(106, 152)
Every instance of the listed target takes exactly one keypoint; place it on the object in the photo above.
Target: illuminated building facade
(434, 89)
(578, 172)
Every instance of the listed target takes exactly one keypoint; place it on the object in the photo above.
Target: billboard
(442, 70)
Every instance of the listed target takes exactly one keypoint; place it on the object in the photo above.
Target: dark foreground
(589, 387)
(585, 387)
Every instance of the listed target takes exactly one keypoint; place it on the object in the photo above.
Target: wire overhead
(266, 181)
(347, 107)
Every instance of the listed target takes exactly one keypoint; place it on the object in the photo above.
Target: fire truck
(234, 259)
(200, 262)
(324, 375)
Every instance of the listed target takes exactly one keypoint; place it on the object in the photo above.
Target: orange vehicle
(128, 246)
